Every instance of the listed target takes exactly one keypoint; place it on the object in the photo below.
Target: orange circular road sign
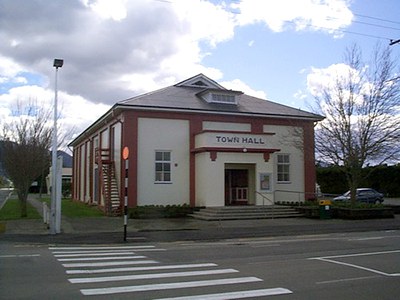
(125, 153)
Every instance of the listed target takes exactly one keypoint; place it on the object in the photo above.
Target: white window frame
(283, 176)
(162, 167)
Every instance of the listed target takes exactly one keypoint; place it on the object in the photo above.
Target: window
(283, 168)
(223, 98)
(163, 166)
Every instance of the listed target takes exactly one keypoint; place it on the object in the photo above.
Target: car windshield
(347, 194)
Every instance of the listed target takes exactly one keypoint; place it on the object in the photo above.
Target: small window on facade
(163, 166)
(222, 98)
(283, 173)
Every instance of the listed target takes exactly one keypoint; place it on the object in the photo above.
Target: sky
(279, 50)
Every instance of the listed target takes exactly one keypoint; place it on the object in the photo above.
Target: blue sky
(116, 49)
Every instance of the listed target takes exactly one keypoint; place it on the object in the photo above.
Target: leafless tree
(26, 141)
(362, 109)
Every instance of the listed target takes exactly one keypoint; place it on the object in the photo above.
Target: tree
(362, 124)
(26, 144)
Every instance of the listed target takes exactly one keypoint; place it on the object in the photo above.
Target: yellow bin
(325, 209)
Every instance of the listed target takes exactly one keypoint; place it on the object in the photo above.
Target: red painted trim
(91, 167)
(235, 132)
(309, 161)
(130, 140)
(80, 172)
(195, 126)
(74, 168)
(213, 155)
(214, 151)
(234, 150)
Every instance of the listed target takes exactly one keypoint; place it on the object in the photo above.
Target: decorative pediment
(201, 81)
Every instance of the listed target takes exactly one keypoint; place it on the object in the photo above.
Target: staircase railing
(106, 175)
(263, 203)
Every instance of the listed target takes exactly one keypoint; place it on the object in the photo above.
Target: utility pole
(55, 211)
(393, 42)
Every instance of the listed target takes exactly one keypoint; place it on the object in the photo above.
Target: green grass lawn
(69, 208)
(75, 209)
(11, 211)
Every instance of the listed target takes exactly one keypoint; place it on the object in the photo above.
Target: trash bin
(325, 209)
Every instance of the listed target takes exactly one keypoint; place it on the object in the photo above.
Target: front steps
(246, 213)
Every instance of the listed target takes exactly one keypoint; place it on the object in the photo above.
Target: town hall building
(195, 143)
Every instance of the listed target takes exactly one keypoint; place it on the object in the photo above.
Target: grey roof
(186, 96)
(181, 97)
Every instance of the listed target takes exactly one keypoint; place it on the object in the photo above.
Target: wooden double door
(236, 186)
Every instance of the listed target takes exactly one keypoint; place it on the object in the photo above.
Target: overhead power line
(374, 18)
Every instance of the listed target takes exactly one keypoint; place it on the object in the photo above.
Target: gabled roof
(201, 80)
(188, 96)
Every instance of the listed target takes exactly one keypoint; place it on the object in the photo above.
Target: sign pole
(125, 155)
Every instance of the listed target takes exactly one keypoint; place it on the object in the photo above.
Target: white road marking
(167, 286)
(94, 254)
(346, 279)
(133, 269)
(235, 295)
(357, 254)
(109, 263)
(93, 251)
(330, 259)
(152, 276)
(101, 258)
(116, 251)
(101, 247)
(19, 255)
(368, 238)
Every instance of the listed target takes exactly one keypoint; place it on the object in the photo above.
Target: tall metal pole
(54, 201)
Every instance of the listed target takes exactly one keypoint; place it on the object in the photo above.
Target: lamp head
(58, 63)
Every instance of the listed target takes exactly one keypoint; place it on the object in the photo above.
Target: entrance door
(236, 187)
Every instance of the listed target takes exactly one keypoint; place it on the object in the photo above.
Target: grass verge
(74, 209)
(11, 211)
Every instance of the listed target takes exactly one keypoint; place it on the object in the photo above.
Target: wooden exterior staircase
(109, 186)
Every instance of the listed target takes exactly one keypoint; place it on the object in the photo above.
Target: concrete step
(246, 212)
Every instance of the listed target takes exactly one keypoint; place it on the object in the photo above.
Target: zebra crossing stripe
(152, 276)
(101, 258)
(101, 247)
(109, 263)
(94, 254)
(167, 286)
(116, 251)
(133, 269)
(235, 295)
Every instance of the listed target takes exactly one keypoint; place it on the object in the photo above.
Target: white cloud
(108, 9)
(239, 85)
(320, 79)
(301, 95)
(280, 15)
(75, 112)
(116, 49)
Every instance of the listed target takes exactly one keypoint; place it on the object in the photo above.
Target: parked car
(364, 195)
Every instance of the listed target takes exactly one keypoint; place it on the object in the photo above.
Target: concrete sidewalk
(110, 229)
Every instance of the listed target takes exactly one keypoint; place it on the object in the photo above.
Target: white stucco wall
(163, 135)
(210, 177)
(288, 139)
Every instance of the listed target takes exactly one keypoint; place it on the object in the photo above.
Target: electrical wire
(375, 18)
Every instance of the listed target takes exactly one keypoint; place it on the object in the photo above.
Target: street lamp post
(55, 220)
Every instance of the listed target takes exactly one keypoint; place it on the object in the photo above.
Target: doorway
(236, 186)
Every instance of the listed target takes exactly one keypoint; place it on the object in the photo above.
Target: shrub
(159, 211)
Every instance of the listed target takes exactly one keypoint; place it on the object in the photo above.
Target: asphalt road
(362, 265)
